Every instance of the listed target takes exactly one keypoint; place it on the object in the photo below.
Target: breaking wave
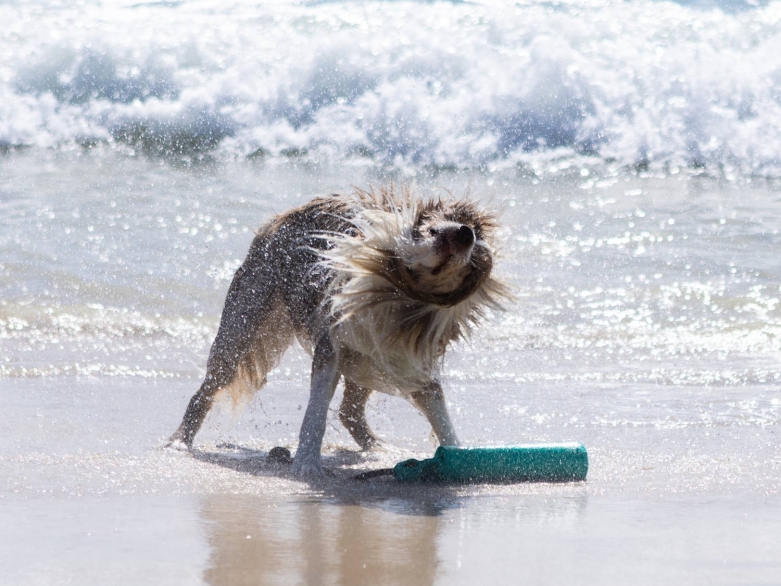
(645, 83)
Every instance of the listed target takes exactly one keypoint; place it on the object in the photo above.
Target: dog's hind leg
(219, 374)
(325, 376)
(224, 369)
(254, 332)
(352, 414)
(431, 402)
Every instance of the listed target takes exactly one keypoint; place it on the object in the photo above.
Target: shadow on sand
(339, 486)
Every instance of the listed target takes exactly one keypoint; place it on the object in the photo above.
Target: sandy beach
(90, 496)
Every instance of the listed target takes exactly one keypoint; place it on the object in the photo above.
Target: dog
(375, 285)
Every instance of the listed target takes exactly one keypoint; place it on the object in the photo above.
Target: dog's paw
(377, 446)
(307, 469)
(176, 443)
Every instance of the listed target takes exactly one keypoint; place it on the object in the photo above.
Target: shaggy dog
(375, 286)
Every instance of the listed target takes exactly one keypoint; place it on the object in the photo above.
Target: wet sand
(88, 496)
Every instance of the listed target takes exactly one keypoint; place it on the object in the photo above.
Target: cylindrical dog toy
(527, 463)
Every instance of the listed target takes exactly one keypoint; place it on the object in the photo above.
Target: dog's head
(432, 251)
(446, 255)
(410, 273)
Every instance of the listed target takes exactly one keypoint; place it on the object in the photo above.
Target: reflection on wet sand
(254, 540)
(341, 531)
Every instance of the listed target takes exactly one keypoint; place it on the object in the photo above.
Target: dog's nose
(464, 236)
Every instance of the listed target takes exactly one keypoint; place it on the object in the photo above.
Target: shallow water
(646, 326)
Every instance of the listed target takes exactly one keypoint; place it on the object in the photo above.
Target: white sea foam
(407, 83)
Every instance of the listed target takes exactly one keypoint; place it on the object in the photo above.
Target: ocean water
(631, 150)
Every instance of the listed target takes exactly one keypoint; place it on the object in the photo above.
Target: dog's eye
(433, 231)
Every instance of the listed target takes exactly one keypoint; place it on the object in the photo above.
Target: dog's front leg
(431, 402)
(325, 376)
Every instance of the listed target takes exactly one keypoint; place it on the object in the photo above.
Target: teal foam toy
(526, 463)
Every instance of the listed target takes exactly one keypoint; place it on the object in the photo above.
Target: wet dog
(375, 286)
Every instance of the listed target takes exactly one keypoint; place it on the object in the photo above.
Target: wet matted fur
(375, 285)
